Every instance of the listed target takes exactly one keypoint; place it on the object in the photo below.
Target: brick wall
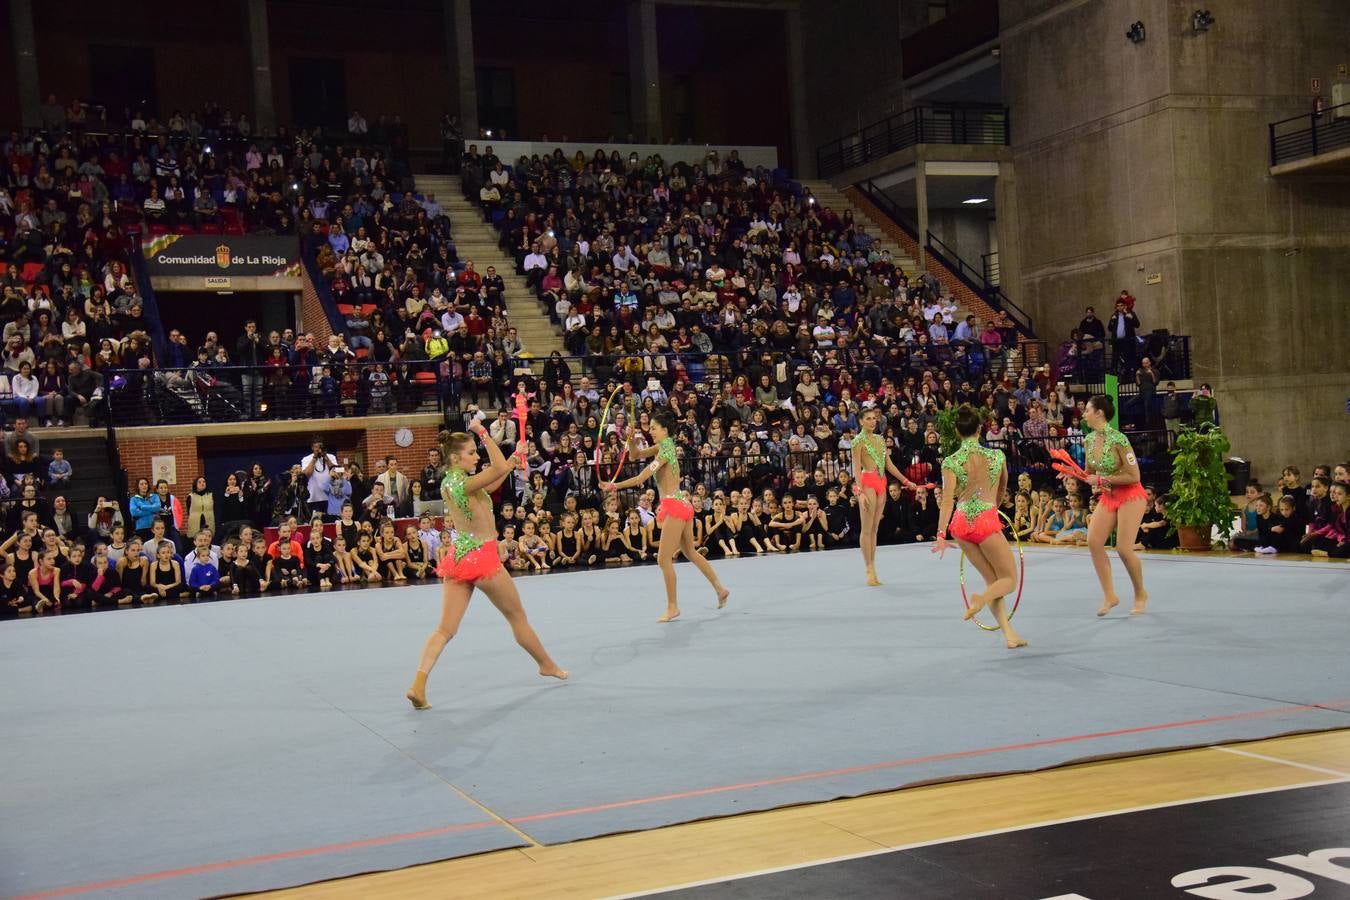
(136, 454)
(378, 443)
(311, 310)
(370, 445)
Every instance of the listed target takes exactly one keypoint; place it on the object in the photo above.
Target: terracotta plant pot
(1194, 539)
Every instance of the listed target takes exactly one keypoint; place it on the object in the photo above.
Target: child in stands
(59, 470)
(1260, 538)
(343, 567)
(76, 575)
(204, 579)
(418, 559)
(285, 571)
(1333, 538)
(245, 578)
(533, 547)
(1288, 526)
(105, 587)
(1153, 530)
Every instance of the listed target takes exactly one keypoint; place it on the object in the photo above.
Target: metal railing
(223, 394)
(1310, 134)
(975, 279)
(138, 397)
(1032, 454)
(1169, 353)
(938, 124)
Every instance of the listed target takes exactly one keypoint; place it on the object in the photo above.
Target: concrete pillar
(459, 54)
(921, 204)
(803, 154)
(260, 60)
(644, 71)
(1009, 236)
(25, 62)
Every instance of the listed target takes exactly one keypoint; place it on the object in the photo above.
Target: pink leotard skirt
(673, 506)
(986, 524)
(474, 566)
(1115, 497)
(874, 482)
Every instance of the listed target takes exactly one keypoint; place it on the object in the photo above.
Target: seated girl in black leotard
(418, 562)
(568, 542)
(635, 537)
(165, 579)
(613, 549)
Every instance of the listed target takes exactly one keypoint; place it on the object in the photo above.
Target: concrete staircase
(477, 240)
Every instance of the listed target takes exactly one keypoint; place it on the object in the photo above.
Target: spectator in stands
(1093, 335)
(205, 210)
(395, 483)
(59, 470)
(250, 352)
(1123, 329)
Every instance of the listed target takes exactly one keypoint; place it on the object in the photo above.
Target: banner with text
(221, 256)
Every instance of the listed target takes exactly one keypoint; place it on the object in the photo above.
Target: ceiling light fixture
(975, 200)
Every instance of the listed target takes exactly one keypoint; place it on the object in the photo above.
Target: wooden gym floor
(738, 845)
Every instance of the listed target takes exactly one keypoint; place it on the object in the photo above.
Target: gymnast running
(870, 487)
(675, 515)
(473, 561)
(977, 476)
(1113, 470)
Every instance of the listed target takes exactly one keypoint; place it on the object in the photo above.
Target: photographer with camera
(317, 468)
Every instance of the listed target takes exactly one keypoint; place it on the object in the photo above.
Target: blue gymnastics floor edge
(255, 744)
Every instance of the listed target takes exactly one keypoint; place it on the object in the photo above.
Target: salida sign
(205, 255)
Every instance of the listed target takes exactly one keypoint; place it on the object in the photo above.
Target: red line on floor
(254, 860)
(937, 757)
(768, 782)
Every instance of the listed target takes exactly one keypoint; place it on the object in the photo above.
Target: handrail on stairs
(969, 275)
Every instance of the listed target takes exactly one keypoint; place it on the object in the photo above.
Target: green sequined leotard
(668, 454)
(870, 444)
(1106, 461)
(971, 507)
(452, 486)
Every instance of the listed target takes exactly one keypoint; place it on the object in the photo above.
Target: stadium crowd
(766, 320)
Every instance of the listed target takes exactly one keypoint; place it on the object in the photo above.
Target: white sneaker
(1266, 550)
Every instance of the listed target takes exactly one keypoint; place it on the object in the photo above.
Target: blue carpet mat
(237, 746)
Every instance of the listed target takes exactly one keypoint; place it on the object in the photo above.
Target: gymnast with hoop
(675, 514)
(1113, 470)
(472, 561)
(870, 486)
(975, 476)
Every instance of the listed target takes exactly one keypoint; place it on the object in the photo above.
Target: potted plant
(1198, 501)
(945, 423)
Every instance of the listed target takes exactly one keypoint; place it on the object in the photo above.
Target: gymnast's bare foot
(1108, 604)
(417, 694)
(977, 603)
(722, 596)
(872, 579)
(553, 671)
(671, 615)
(1013, 639)
(1140, 604)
